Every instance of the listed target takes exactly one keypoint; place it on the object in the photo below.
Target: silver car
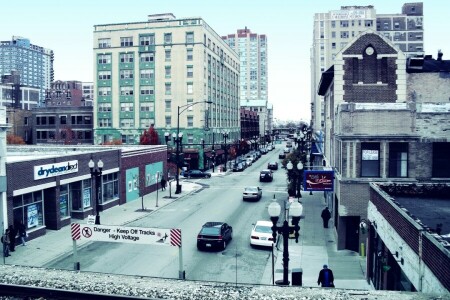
(252, 193)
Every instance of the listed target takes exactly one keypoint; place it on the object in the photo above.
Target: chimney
(440, 54)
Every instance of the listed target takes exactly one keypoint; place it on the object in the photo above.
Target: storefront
(49, 188)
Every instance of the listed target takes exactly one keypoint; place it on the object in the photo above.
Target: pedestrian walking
(22, 233)
(163, 183)
(326, 277)
(5, 241)
(326, 216)
(12, 238)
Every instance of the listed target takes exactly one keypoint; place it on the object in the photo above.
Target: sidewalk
(55, 243)
(316, 247)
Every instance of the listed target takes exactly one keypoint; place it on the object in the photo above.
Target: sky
(67, 29)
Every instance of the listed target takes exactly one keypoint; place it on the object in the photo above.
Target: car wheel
(224, 244)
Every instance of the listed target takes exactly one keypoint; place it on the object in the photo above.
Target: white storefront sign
(56, 169)
(121, 234)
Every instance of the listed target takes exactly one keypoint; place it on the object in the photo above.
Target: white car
(252, 193)
(249, 161)
(262, 234)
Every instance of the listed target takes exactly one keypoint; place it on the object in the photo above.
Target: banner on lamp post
(318, 180)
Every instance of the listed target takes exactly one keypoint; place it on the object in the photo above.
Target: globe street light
(296, 176)
(96, 173)
(225, 136)
(178, 139)
(295, 210)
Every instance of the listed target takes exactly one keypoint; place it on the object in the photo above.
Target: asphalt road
(220, 199)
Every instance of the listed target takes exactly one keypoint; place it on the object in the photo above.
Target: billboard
(318, 180)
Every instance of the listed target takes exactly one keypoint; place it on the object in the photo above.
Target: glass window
(168, 54)
(189, 54)
(127, 123)
(147, 90)
(147, 74)
(126, 57)
(126, 106)
(63, 120)
(168, 89)
(147, 106)
(146, 40)
(189, 37)
(370, 160)
(190, 88)
(126, 41)
(126, 90)
(64, 201)
(104, 75)
(398, 159)
(168, 121)
(126, 74)
(168, 72)
(167, 38)
(104, 58)
(28, 208)
(168, 105)
(104, 43)
(104, 91)
(441, 160)
(110, 187)
(147, 57)
(190, 71)
(190, 121)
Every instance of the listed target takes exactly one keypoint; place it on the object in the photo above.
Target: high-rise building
(162, 72)
(335, 29)
(33, 63)
(252, 50)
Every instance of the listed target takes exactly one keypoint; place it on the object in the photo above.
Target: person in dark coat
(12, 238)
(22, 233)
(326, 277)
(5, 241)
(326, 216)
(163, 183)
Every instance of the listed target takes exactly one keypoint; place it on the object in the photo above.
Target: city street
(220, 199)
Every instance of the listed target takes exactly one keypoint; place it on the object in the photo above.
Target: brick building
(385, 121)
(56, 185)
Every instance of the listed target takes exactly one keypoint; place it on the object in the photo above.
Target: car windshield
(263, 229)
(251, 190)
(210, 231)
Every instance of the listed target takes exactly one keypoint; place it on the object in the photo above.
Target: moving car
(281, 155)
(196, 174)
(266, 175)
(273, 165)
(252, 193)
(261, 234)
(214, 235)
(287, 150)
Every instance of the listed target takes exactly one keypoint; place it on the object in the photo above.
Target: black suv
(266, 175)
(214, 235)
(273, 165)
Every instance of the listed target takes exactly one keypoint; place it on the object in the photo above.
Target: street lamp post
(178, 138)
(295, 211)
(96, 173)
(225, 136)
(297, 176)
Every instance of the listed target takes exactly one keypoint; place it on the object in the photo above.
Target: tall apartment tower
(33, 63)
(162, 72)
(335, 29)
(252, 50)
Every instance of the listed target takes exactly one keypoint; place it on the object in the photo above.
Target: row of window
(144, 90)
(144, 123)
(144, 40)
(64, 134)
(143, 57)
(75, 120)
(398, 160)
(127, 106)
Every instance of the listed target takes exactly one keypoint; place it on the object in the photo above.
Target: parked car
(261, 234)
(287, 150)
(266, 175)
(263, 150)
(252, 193)
(273, 165)
(269, 148)
(239, 167)
(196, 174)
(249, 161)
(214, 235)
(282, 155)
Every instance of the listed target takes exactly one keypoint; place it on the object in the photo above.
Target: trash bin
(297, 275)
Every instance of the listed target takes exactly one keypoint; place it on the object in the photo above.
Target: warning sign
(121, 234)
